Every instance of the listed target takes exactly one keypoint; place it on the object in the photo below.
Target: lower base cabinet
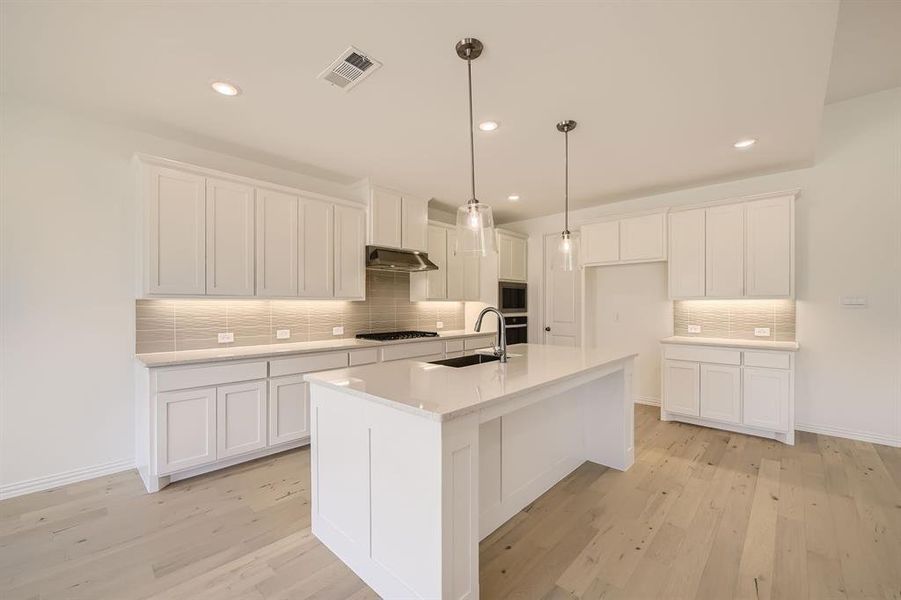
(721, 393)
(289, 409)
(682, 385)
(186, 429)
(766, 395)
(241, 418)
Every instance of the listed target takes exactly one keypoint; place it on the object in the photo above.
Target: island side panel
(609, 419)
(377, 492)
(460, 508)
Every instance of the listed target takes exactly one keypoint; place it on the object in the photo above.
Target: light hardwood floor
(702, 514)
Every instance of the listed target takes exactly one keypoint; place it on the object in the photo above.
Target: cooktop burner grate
(396, 335)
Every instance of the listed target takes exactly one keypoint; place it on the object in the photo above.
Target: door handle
(547, 328)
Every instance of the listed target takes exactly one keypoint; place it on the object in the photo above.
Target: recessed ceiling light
(513, 197)
(746, 143)
(225, 88)
(488, 125)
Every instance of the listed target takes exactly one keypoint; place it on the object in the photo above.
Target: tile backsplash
(736, 319)
(193, 324)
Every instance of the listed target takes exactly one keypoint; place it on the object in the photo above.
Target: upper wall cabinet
(512, 257)
(213, 234)
(734, 250)
(175, 218)
(229, 238)
(457, 277)
(397, 220)
(639, 238)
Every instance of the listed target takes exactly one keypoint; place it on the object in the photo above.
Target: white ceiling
(661, 90)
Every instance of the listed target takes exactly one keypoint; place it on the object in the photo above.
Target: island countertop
(443, 393)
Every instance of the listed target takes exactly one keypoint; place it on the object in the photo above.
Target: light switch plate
(762, 331)
(282, 334)
(694, 329)
(337, 330)
(439, 325)
(226, 338)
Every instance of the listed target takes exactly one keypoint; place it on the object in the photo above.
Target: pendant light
(475, 221)
(568, 250)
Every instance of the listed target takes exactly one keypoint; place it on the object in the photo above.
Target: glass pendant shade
(475, 229)
(567, 258)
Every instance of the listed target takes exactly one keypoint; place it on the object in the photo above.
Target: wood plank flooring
(702, 514)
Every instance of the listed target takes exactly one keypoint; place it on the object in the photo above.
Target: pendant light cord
(566, 182)
(472, 144)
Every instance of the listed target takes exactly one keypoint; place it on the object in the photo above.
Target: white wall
(67, 314)
(848, 244)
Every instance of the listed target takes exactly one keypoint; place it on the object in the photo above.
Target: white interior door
(562, 298)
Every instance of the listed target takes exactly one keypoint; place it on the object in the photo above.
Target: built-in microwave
(511, 297)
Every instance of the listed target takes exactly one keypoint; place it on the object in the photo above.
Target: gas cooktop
(396, 335)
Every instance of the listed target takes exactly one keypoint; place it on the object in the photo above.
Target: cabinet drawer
(307, 364)
(454, 346)
(721, 356)
(773, 360)
(479, 342)
(181, 379)
(364, 357)
(402, 351)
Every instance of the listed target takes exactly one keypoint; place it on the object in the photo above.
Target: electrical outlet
(226, 338)
(694, 329)
(337, 331)
(762, 331)
(439, 325)
(282, 334)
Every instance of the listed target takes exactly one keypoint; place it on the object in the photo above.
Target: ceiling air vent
(349, 69)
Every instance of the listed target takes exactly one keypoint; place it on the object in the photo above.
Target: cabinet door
(643, 238)
(437, 280)
(768, 244)
(600, 242)
(277, 251)
(721, 393)
(455, 273)
(724, 253)
(350, 252)
(385, 218)
(415, 215)
(685, 266)
(289, 409)
(519, 260)
(176, 232)
(472, 272)
(766, 397)
(186, 429)
(504, 257)
(240, 418)
(229, 238)
(316, 249)
(681, 387)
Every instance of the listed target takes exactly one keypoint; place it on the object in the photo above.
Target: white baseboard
(648, 400)
(860, 436)
(39, 484)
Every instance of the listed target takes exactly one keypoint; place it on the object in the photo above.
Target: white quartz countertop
(187, 357)
(731, 343)
(443, 393)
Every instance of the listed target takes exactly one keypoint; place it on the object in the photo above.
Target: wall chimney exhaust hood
(392, 259)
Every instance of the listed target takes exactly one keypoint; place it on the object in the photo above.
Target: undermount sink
(465, 361)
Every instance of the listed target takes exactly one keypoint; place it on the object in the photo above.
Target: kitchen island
(414, 463)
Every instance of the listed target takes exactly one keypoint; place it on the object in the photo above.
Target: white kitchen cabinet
(277, 243)
(241, 419)
(766, 398)
(686, 254)
(769, 224)
(229, 238)
(643, 238)
(682, 387)
(721, 393)
(600, 242)
(350, 236)
(415, 219)
(436, 281)
(724, 252)
(175, 232)
(472, 273)
(385, 218)
(316, 249)
(186, 429)
(455, 269)
(512, 257)
(289, 409)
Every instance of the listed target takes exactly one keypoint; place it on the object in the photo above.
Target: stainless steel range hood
(392, 259)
